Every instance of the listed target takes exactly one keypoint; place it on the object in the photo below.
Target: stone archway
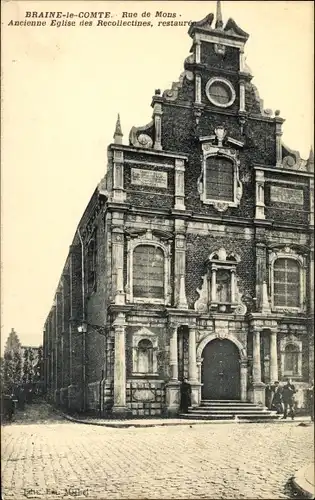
(224, 368)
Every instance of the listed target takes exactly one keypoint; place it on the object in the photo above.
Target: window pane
(220, 93)
(148, 272)
(287, 283)
(219, 179)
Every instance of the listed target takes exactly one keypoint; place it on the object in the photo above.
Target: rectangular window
(286, 283)
(219, 179)
(148, 272)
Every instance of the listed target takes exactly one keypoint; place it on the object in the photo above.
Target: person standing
(288, 392)
(185, 396)
(277, 403)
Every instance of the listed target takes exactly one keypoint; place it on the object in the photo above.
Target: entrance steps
(229, 410)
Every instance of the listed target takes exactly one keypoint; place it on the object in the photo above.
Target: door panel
(220, 370)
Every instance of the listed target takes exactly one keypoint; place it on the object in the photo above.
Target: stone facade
(194, 257)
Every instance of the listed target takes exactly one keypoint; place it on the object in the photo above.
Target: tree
(12, 362)
(38, 369)
(27, 366)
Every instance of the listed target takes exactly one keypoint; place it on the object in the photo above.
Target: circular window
(220, 92)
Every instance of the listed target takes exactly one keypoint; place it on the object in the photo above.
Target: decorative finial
(219, 22)
(310, 161)
(311, 156)
(118, 135)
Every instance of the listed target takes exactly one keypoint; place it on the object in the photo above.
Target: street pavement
(47, 457)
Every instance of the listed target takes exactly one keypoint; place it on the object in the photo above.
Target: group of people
(282, 398)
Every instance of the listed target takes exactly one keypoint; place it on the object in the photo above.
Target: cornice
(283, 171)
(149, 152)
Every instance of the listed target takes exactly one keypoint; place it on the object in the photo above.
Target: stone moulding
(292, 159)
(138, 137)
(172, 94)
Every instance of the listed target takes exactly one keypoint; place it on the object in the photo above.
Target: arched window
(145, 356)
(291, 359)
(286, 283)
(219, 182)
(148, 272)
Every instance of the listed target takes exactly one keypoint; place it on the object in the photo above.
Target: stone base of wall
(93, 396)
(145, 398)
(74, 398)
(57, 397)
(64, 397)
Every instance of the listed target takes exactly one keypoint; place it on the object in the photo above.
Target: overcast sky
(61, 91)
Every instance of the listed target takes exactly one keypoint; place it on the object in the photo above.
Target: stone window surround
(215, 264)
(144, 334)
(284, 342)
(225, 82)
(287, 253)
(210, 150)
(149, 240)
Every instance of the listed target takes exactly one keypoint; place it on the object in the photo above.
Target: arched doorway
(220, 370)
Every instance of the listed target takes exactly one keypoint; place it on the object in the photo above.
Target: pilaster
(197, 88)
(273, 366)
(179, 185)
(119, 326)
(157, 117)
(119, 194)
(261, 270)
(242, 96)
(260, 195)
(118, 296)
(180, 266)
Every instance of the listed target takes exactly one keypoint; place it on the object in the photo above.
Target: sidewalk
(303, 481)
(162, 422)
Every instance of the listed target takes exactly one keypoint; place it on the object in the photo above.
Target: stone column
(273, 365)
(179, 185)
(242, 59)
(233, 285)
(213, 285)
(120, 366)
(193, 369)
(260, 195)
(256, 357)
(192, 366)
(173, 386)
(258, 389)
(197, 51)
(243, 379)
(174, 354)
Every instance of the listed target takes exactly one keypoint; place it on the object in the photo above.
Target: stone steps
(229, 410)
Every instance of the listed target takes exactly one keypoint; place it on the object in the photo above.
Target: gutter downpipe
(83, 320)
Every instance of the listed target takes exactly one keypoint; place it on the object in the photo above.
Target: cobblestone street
(44, 456)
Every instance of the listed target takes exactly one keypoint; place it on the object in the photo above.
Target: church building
(194, 257)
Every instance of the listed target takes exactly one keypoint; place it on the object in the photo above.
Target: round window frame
(224, 82)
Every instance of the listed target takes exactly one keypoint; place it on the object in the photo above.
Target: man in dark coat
(185, 396)
(277, 403)
(288, 392)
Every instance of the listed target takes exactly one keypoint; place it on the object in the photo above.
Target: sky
(61, 91)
